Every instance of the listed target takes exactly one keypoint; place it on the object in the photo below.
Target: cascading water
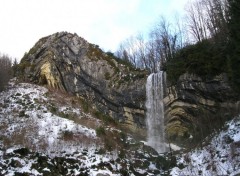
(155, 111)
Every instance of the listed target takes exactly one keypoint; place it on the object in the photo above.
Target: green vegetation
(206, 59)
(207, 43)
(122, 61)
(53, 109)
(84, 105)
(234, 46)
(96, 53)
(212, 56)
(22, 113)
(6, 72)
(22, 65)
(104, 117)
(107, 76)
(100, 131)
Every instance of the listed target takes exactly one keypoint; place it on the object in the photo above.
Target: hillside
(44, 133)
(218, 154)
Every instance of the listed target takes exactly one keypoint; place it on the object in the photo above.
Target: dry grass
(88, 122)
(78, 139)
(24, 135)
(60, 98)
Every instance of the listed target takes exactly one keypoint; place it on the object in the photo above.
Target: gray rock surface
(193, 105)
(68, 62)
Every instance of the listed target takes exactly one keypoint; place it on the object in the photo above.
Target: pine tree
(15, 67)
(5, 70)
(234, 36)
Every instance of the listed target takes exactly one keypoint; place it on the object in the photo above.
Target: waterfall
(155, 111)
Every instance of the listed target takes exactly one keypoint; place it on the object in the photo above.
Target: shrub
(22, 151)
(122, 154)
(84, 104)
(22, 113)
(68, 135)
(100, 131)
(104, 117)
(18, 94)
(123, 136)
(53, 109)
(107, 76)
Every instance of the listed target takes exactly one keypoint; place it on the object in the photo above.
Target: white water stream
(155, 111)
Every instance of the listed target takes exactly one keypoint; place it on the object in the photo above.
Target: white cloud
(103, 22)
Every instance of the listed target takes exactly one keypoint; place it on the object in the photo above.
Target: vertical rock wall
(193, 106)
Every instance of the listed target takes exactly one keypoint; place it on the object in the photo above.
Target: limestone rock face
(68, 62)
(194, 105)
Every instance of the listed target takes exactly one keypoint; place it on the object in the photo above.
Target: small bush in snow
(100, 131)
(68, 135)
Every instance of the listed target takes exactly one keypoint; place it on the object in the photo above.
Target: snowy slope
(46, 133)
(42, 134)
(220, 157)
(25, 115)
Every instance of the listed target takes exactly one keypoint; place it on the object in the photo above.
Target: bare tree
(153, 59)
(167, 41)
(5, 70)
(196, 22)
(216, 17)
(141, 52)
(164, 41)
(207, 19)
(128, 51)
(183, 38)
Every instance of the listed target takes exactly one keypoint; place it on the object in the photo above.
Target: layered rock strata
(68, 62)
(193, 105)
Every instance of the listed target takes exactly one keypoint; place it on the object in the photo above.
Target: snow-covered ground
(28, 119)
(220, 157)
(43, 134)
(28, 115)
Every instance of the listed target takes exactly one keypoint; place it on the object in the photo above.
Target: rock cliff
(194, 105)
(67, 62)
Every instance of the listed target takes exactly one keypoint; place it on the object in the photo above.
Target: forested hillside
(204, 42)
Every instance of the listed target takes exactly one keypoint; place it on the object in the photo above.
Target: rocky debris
(143, 162)
(51, 137)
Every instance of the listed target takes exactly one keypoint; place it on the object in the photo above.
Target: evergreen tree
(15, 67)
(234, 36)
(5, 70)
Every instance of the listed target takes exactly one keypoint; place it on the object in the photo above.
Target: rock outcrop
(68, 62)
(194, 105)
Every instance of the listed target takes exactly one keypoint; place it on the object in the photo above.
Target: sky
(106, 23)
